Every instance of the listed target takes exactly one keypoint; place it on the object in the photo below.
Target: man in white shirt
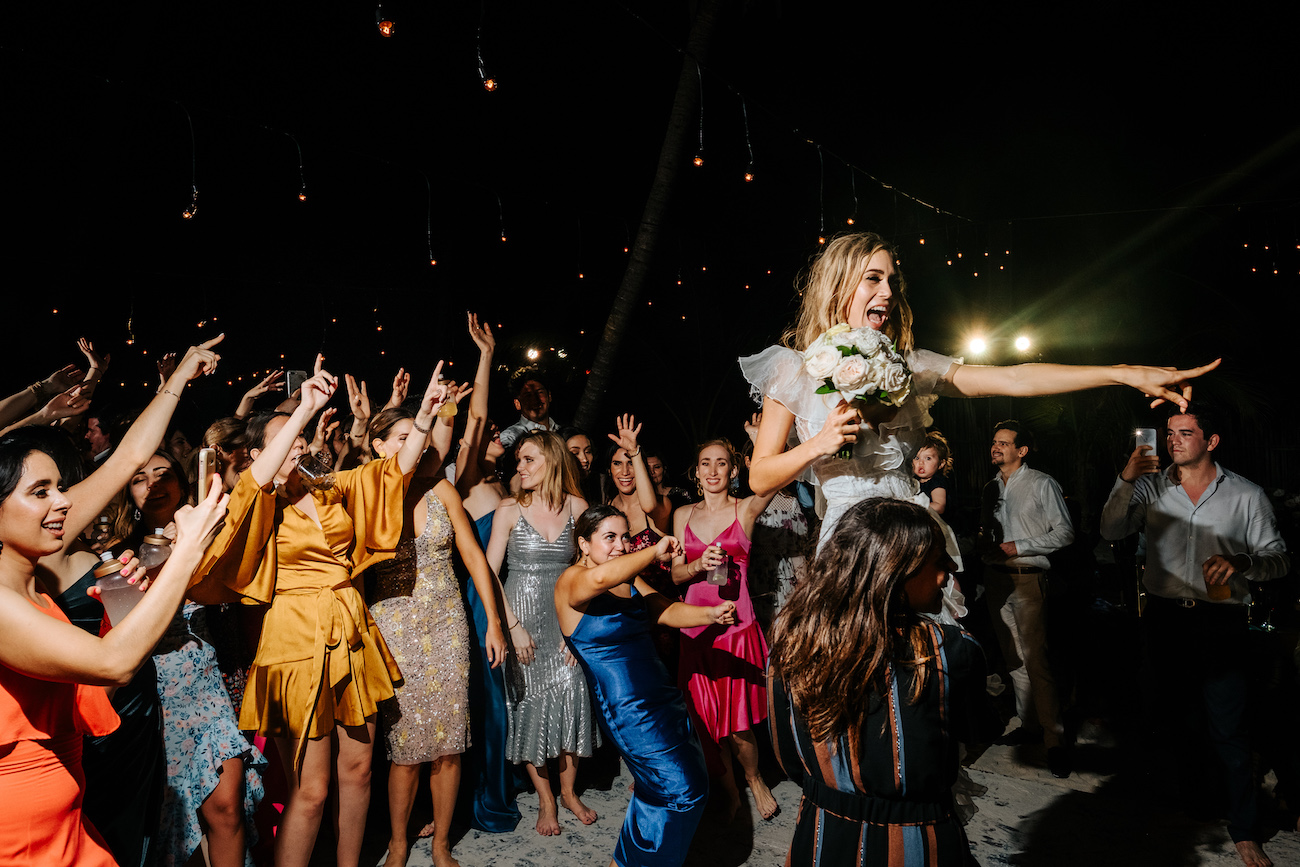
(1024, 519)
(1208, 530)
(533, 400)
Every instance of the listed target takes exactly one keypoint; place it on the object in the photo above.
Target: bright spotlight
(1022, 343)
(977, 345)
(532, 354)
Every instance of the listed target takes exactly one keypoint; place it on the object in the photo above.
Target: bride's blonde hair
(828, 284)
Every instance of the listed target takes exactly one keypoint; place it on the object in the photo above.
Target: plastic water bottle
(155, 550)
(118, 596)
(719, 574)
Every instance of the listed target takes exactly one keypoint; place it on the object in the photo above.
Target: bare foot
(426, 831)
(397, 853)
(1252, 854)
(763, 800)
(442, 858)
(548, 820)
(575, 806)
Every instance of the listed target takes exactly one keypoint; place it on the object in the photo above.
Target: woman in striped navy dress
(869, 698)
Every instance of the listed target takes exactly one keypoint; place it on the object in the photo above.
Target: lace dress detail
(549, 707)
(421, 614)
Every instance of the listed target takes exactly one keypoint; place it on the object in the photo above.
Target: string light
(428, 216)
(744, 114)
(821, 195)
(193, 210)
(302, 182)
(383, 22)
(490, 83)
(501, 216)
(853, 184)
(699, 154)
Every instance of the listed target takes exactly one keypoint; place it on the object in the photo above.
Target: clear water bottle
(155, 550)
(719, 574)
(118, 596)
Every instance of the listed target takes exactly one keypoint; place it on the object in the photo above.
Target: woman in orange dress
(322, 667)
(51, 671)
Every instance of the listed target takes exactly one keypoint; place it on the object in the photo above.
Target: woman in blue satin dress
(605, 613)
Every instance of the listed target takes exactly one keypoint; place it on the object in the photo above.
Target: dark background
(1120, 189)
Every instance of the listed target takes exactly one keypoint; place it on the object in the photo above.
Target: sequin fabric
(547, 701)
(421, 614)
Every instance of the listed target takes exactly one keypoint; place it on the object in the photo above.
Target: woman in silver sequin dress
(419, 610)
(550, 714)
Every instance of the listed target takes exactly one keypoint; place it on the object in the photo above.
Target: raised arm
(250, 397)
(435, 395)
(91, 495)
(63, 406)
(473, 446)
(659, 509)
(485, 582)
(682, 615)
(580, 584)
(39, 646)
(21, 404)
(316, 392)
(1027, 380)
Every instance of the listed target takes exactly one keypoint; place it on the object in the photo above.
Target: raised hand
(95, 362)
(437, 392)
(199, 360)
(358, 398)
(401, 382)
(481, 334)
(1143, 460)
(271, 381)
(628, 431)
(317, 391)
(751, 426)
(166, 367)
(63, 379)
(324, 427)
(197, 525)
(66, 404)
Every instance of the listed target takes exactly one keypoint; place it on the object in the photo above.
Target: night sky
(1124, 163)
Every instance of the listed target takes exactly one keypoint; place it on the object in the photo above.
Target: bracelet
(512, 625)
(635, 454)
(37, 389)
(424, 430)
(172, 393)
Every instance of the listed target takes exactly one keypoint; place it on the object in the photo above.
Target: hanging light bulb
(503, 237)
(698, 161)
(433, 261)
(821, 239)
(302, 197)
(749, 173)
(850, 221)
(383, 22)
(489, 84)
(192, 211)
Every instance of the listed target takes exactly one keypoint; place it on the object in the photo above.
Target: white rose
(837, 329)
(820, 362)
(851, 374)
(896, 378)
(868, 341)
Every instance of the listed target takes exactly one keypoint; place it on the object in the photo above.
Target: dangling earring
(699, 486)
(137, 513)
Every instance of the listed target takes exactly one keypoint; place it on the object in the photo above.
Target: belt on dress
(876, 811)
(334, 625)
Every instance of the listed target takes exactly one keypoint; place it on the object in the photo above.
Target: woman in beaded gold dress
(322, 667)
(420, 612)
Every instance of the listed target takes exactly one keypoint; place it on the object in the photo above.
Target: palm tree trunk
(672, 156)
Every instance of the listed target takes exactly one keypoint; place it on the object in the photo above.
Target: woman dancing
(721, 668)
(44, 712)
(549, 709)
(855, 281)
(421, 614)
(605, 611)
(321, 667)
(870, 697)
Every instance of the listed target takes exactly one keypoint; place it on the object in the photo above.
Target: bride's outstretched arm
(1027, 380)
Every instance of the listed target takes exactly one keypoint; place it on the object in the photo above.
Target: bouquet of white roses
(861, 364)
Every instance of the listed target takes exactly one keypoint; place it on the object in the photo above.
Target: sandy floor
(1099, 816)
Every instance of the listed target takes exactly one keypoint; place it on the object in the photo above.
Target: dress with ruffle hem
(321, 661)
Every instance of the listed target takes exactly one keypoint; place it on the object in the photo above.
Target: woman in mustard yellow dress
(322, 667)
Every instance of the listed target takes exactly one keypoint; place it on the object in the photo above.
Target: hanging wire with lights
(383, 23)
(821, 195)
(490, 83)
(501, 216)
(302, 181)
(853, 184)
(428, 188)
(744, 114)
(699, 153)
(193, 210)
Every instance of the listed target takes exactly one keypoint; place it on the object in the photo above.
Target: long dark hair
(589, 522)
(848, 621)
(16, 445)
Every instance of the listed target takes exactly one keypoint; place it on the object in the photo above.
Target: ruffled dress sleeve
(239, 565)
(372, 496)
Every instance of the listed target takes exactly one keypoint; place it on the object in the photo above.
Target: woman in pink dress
(721, 668)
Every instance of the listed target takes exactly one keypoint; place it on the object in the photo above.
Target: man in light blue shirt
(1208, 530)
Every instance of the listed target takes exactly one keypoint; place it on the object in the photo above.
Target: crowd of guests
(483, 599)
